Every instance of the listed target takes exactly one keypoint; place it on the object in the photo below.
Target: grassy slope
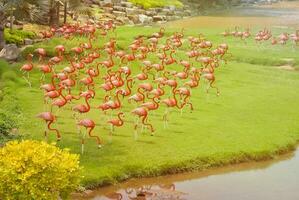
(254, 118)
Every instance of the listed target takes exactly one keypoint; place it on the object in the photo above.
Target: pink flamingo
(88, 124)
(116, 122)
(26, 68)
(141, 113)
(49, 118)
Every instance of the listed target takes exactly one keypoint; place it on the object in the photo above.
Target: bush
(37, 170)
(10, 76)
(17, 36)
(155, 3)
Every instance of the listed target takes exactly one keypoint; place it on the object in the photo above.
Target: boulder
(123, 20)
(108, 9)
(126, 4)
(158, 18)
(28, 41)
(10, 52)
(145, 19)
(132, 11)
(119, 13)
(119, 8)
(134, 19)
(150, 13)
(106, 3)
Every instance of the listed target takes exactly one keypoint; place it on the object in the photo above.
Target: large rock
(108, 9)
(10, 52)
(132, 11)
(119, 14)
(126, 4)
(145, 19)
(134, 19)
(106, 3)
(158, 18)
(119, 8)
(28, 41)
(150, 12)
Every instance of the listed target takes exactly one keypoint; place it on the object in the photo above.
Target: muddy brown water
(277, 179)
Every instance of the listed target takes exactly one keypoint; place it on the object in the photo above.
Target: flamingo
(88, 124)
(116, 122)
(49, 118)
(141, 112)
(26, 68)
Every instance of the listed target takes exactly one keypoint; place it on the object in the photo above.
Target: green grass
(254, 118)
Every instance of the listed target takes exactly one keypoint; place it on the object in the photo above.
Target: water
(287, 15)
(274, 180)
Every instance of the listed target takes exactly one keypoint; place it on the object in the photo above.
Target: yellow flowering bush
(36, 170)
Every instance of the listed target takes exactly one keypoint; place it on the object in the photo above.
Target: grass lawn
(255, 117)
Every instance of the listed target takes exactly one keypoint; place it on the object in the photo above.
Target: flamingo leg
(27, 79)
(111, 133)
(135, 129)
(83, 142)
(46, 132)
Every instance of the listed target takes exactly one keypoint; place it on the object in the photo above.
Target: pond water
(287, 15)
(274, 180)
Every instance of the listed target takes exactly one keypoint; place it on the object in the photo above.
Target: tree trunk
(65, 12)
(2, 26)
(53, 20)
(11, 21)
(2, 40)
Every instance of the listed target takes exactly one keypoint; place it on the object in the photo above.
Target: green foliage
(154, 3)
(17, 36)
(37, 170)
(4, 66)
(10, 117)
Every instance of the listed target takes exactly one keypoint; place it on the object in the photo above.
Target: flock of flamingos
(140, 75)
(263, 36)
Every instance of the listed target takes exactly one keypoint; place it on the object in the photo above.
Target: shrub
(37, 170)
(155, 3)
(10, 76)
(17, 36)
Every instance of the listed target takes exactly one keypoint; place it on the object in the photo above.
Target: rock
(119, 14)
(134, 19)
(108, 15)
(150, 13)
(108, 9)
(132, 11)
(157, 18)
(28, 41)
(119, 8)
(123, 20)
(10, 52)
(179, 13)
(126, 4)
(106, 3)
(187, 12)
(170, 18)
(145, 19)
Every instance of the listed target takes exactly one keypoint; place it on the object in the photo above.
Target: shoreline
(282, 153)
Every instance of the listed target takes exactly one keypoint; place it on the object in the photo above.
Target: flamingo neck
(120, 119)
(140, 92)
(87, 103)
